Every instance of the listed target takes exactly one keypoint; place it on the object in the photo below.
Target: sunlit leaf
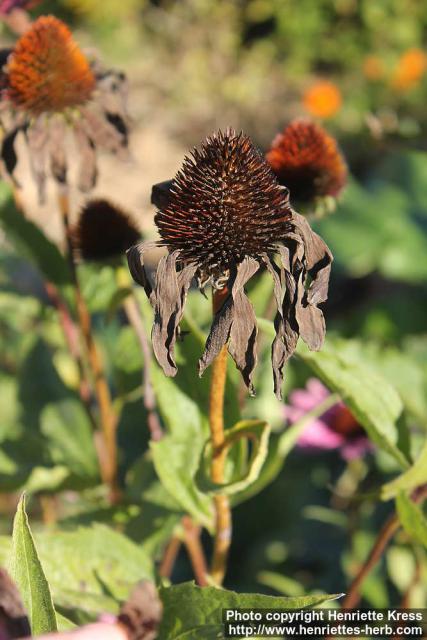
(27, 572)
(194, 612)
(412, 518)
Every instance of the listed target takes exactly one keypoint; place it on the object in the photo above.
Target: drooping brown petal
(285, 323)
(8, 153)
(58, 158)
(13, 618)
(135, 258)
(235, 323)
(169, 299)
(310, 319)
(160, 193)
(318, 259)
(105, 134)
(142, 613)
(88, 170)
(37, 140)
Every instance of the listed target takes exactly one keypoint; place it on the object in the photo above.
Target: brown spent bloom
(50, 89)
(47, 71)
(323, 99)
(103, 231)
(222, 218)
(306, 159)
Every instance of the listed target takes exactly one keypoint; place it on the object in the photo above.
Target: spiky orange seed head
(47, 71)
(306, 159)
(225, 204)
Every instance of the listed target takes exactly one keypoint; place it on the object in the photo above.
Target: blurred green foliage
(308, 520)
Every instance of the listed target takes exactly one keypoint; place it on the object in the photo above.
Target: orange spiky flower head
(306, 159)
(47, 71)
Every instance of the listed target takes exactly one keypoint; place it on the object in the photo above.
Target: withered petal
(88, 171)
(169, 299)
(287, 331)
(104, 135)
(58, 158)
(235, 323)
(135, 258)
(318, 259)
(311, 321)
(142, 613)
(37, 141)
(8, 152)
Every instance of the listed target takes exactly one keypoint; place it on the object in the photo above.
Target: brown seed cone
(306, 159)
(103, 231)
(225, 204)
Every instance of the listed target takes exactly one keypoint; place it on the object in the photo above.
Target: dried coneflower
(50, 87)
(103, 231)
(224, 217)
(306, 159)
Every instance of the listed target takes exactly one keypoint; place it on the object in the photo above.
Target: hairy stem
(69, 329)
(195, 551)
(108, 453)
(134, 317)
(386, 533)
(223, 524)
(169, 557)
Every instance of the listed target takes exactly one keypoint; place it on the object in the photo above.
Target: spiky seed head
(225, 204)
(103, 231)
(306, 159)
(47, 71)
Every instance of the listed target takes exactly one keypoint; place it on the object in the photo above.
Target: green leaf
(176, 461)
(371, 399)
(410, 479)
(27, 572)
(30, 241)
(69, 437)
(412, 518)
(176, 456)
(91, 561)
(281, 584)
(258, 433)
(194, 612)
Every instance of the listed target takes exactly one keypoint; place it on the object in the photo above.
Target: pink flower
(6, 6)
(336, 428)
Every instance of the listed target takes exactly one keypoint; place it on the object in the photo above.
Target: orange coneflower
(50, 87)
(323, 99)
(103, 231)
(409, 70)
(224, 217)
(306, 160)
